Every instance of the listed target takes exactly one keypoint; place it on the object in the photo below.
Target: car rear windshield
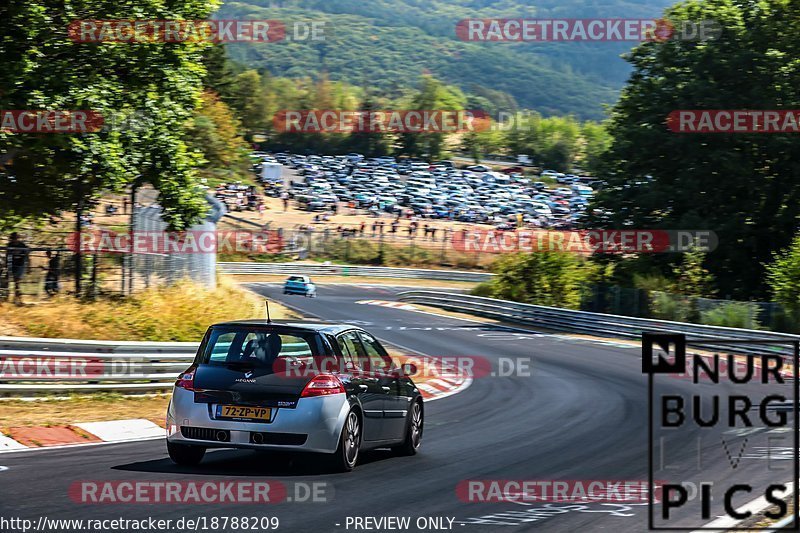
(260, 347)
(296, 278)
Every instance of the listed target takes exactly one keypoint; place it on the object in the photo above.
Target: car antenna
(266, 303)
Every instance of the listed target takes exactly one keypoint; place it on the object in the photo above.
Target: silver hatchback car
(310, 387)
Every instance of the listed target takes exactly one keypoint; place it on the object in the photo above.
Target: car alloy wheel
(352, 439)
(416, 425)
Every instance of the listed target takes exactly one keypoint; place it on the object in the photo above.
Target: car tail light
(323, 385)
(186, 379)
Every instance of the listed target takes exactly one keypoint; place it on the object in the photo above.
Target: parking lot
(413, 189)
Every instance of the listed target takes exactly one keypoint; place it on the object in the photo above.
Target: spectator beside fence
(51, 286)
(16, 262)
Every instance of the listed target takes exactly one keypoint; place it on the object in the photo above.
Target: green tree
(742, 186)
(691, 277)
(153, 85)
(145, 91)
(251, 101)
(783, 275)
(432, 95)
(595, 140)
(214, 131)
(554, 278)
(368, 143)
(477, 143)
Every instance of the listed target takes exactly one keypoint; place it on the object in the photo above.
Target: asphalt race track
(581, 414)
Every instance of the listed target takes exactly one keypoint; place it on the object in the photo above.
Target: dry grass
(181, 312)
(92, 408)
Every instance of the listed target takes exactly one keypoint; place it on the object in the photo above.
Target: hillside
(388, 43)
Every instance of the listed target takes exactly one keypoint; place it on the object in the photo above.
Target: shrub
(667, 306)
(485, 289)
(783, 276)
(555, 279)
(732, 315)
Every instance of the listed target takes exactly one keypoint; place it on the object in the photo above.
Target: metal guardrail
(312, 269)
(36, 366)
(77, 366)
(598, 324)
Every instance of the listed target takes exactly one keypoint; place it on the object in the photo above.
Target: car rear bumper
(298, 290)
(314, 425)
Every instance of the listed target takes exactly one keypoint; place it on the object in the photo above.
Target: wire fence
(43, 262)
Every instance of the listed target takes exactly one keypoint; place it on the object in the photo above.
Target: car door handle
(363, 387)
(386, 389)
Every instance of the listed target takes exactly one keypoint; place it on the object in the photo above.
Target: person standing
(17, 258)
(285, 199)
(51, 276)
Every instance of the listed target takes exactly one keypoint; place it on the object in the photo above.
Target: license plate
(236, 412)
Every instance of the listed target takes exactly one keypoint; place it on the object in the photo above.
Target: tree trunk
(78, 255)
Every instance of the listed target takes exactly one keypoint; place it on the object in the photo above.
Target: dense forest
(389, 44)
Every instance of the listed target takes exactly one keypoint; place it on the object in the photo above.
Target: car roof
(321, 327)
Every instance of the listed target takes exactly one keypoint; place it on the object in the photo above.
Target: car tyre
(345, 457)
(414, 428)
(185, 455)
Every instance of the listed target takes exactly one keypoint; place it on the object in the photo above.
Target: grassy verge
(179, 312)
(90, 408)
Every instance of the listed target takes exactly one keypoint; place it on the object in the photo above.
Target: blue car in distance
(300, 285)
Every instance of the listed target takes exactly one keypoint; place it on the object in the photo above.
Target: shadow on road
(251, 463)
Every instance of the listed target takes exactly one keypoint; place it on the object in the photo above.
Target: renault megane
(310, 387)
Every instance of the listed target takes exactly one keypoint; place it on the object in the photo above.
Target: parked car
(513, 170)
